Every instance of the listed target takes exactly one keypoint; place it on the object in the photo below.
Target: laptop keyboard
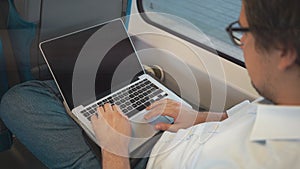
(131, 100)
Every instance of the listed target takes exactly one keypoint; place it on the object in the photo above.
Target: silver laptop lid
(92, 63)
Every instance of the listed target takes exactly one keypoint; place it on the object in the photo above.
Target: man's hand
(112, 129)
(184, 116)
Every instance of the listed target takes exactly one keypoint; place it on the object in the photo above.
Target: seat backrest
(5, 135)
(22, 34)
(16, 41)
(3, 72)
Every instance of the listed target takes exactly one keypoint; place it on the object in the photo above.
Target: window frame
(184, 37)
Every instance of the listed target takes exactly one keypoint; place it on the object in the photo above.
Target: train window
(186, 18)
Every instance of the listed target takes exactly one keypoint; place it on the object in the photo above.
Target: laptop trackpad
(142, 128)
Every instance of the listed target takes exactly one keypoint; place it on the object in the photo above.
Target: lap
(34, 112)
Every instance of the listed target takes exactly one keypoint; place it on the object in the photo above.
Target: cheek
(252, 62)
(248, 55)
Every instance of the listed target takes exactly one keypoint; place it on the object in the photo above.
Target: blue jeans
(34, 112)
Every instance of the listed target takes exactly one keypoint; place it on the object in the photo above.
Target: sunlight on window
(209, 16)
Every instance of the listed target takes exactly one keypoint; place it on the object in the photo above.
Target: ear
(287, 58)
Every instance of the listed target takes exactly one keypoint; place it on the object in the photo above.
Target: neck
(288, 90)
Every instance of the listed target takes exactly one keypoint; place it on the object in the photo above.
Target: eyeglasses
(236, 32)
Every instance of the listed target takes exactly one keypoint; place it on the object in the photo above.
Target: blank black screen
(118, 63)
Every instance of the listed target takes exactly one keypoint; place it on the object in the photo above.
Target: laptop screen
(91, 63)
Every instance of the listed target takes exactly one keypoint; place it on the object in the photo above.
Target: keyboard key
(138, 103)
(95, 109)
(89, 118)
(153, 86)
(130, 91)
(83, 111)
(116, 98)
(129, 108)
(111, 101)
(131, 99)
(147, 103)
(122, 106)
(140, 108)
(143, 100)
(147, 82)
(157, 92)
(86, 114)
(124, 111)
(131, 113)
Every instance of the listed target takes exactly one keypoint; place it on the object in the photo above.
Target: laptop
(97, 65)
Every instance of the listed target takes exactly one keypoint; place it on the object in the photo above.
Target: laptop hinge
(75, 112)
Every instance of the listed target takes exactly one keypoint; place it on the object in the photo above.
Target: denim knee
(9, 100)
(15, 99)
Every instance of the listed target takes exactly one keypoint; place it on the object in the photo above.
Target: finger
(166, 126)
(107, 107)
(94, 119)
(100, 109)
(174, 128)
(162, 126)
(164, 102)
(162, 111)
(154, 112)
(157, 103)
(117, 108)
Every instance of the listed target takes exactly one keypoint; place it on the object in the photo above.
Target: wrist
(116, 149)
(112, 160)
(120, 154)
(201, 117)
(224, 116)
(210, 116)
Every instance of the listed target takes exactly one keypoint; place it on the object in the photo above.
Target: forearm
(210, 116)
(110, 160)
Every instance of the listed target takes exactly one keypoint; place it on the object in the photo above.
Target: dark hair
(274, 23)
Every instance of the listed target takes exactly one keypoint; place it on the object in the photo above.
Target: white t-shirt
(254, 136)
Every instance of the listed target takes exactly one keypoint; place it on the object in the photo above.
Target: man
(251, 135)
(254, 135)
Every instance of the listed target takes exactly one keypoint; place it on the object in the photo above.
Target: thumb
(162, 126)
(167, 126)
(174, 127)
